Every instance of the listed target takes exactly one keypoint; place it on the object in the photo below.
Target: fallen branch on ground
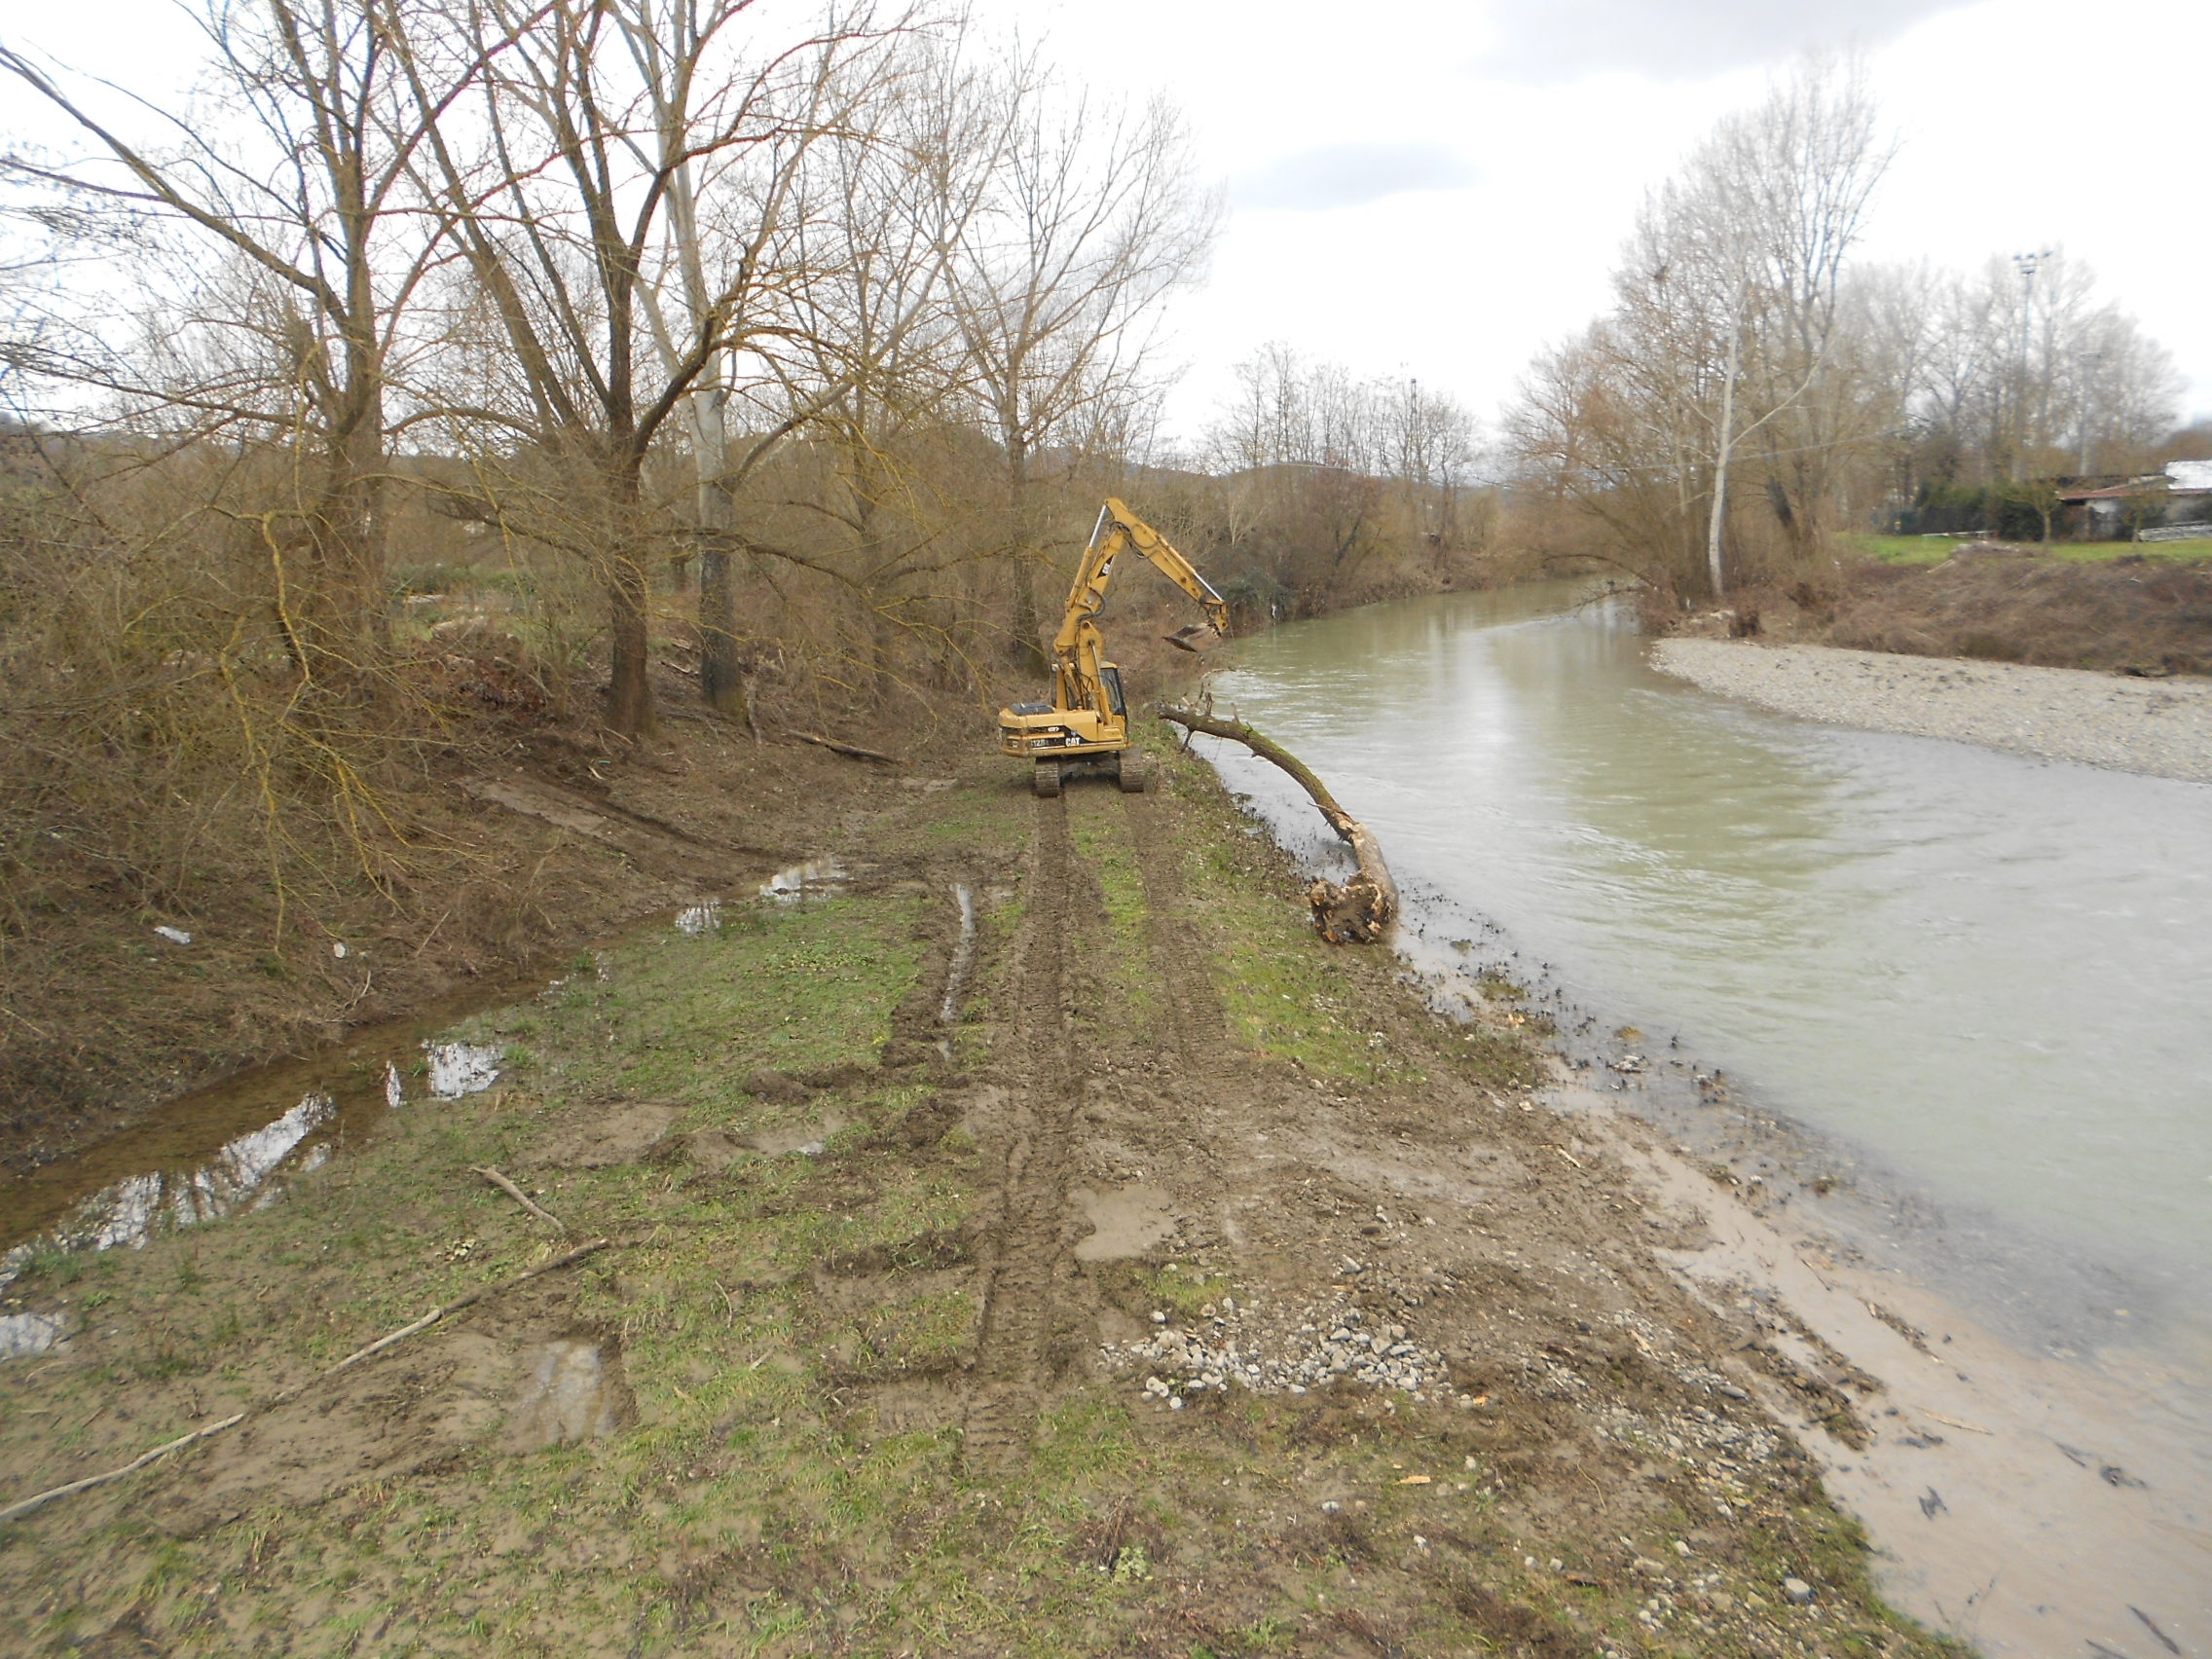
(520, 1196)
(1360, 910)
(286, 1396)
(851, 749)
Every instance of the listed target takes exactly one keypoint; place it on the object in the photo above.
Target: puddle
(228, 1146)
(816, 878)
(458, 1069)
(128, 1211)
(963, 956)
(1124, 1223)
(570, 1393)
(23, 1335)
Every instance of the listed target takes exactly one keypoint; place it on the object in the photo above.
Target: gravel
(2159, 727)
(1313, 1348)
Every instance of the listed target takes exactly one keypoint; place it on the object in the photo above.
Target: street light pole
(2027, 265)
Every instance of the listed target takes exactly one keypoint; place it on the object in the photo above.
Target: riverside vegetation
(909, 1335)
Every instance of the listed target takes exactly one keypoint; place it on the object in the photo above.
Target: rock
(1798, 1592)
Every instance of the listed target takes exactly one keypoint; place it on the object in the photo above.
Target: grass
(751, 1508)
(1098, 832)
(1934, 549)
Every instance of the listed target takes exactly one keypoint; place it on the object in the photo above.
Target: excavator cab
(1084, 726)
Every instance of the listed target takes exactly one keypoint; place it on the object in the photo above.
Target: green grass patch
(1934, 549)
(1100, 833)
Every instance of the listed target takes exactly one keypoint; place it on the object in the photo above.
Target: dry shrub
(165, 759)
(2010, 605)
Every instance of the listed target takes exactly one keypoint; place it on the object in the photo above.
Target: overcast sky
(1438, 187)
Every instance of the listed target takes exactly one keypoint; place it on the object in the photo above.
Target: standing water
(1980, 978)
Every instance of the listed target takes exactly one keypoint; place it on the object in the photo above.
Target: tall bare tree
(1093, 218)
(598, 127)
(304, 189)
(1728, 319)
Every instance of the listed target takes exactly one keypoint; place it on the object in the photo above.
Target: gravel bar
(2159, 727)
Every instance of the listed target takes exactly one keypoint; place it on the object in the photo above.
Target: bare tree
(598, 127)
(307, 200)
(747, 234)
(1092, 220)
(1728, 324)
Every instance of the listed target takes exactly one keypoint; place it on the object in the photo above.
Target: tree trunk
(1724, 449)
(721, 676)
(1028, 643)
(630, 689)
(1361, 910)
(628, 593)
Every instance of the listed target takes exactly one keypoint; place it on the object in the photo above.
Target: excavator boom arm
(1085, 721)
(1119, 529)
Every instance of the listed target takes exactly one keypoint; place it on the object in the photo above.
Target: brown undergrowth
(504, 834)
(2004, 603)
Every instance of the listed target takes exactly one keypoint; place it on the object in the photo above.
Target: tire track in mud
(1025, 1250)
(1194, 1018)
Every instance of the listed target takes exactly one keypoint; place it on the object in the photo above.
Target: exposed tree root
(1362, 910)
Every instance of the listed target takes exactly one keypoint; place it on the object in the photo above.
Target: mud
(509, 873)
(1176, 1160)
(605, 1136)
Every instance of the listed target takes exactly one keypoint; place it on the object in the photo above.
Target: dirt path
(1030, 1118)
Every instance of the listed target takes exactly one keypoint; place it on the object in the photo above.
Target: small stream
(231, 1146)
(1973, 982)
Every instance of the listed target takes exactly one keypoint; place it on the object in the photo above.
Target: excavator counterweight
(1085, 725)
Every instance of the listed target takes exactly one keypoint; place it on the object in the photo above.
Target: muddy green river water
(1980, 981)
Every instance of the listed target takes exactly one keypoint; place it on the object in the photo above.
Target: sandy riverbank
(2158, 727)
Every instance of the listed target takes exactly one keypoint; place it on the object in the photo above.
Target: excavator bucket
(1197, 637)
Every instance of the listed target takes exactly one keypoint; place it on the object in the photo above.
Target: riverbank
(2158, 727)
(525, 836)
(1190, 1288)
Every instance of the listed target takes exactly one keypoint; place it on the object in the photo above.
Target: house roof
(2180, 479)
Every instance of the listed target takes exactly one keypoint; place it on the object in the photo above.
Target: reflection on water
(1987, 969)
(817, 879)
(697, 919)
(457, 1069)
(218, 1149)
(132, 1209)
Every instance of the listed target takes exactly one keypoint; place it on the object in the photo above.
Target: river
(1974, 983)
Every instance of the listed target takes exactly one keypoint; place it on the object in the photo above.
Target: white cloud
(1350, 175)
(1545, 41)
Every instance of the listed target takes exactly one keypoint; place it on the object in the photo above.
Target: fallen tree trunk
(851, 749)
(1360, 910)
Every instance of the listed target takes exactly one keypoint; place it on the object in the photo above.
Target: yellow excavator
(1085, 725)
